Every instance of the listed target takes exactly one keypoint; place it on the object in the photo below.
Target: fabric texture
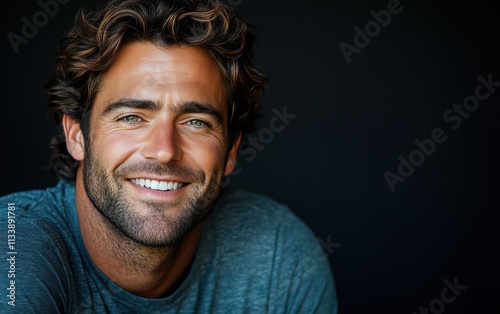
(254, 256)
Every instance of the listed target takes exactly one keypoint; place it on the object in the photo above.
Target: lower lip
(150, 193)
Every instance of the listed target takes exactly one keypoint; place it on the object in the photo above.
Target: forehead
(144, 70)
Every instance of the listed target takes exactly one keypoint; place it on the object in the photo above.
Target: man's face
(157, 143)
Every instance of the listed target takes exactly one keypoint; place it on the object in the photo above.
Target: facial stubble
(161, 226)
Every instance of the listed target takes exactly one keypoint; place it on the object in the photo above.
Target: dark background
(393, 250)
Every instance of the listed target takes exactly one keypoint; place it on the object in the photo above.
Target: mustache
(156, 168)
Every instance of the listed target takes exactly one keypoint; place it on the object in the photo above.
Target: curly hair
(92, 44)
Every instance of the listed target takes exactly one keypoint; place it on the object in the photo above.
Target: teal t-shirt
(254, 256)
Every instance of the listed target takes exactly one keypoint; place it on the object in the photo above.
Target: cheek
(113, 149)
(208, 154)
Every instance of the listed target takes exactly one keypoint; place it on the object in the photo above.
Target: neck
(145, 271)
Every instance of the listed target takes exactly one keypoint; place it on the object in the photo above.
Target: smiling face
(157, 144)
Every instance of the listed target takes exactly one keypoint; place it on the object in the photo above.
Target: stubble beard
(161, 226)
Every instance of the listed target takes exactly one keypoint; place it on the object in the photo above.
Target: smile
(158, 185)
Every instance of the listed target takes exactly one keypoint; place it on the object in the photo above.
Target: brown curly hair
(91, 46)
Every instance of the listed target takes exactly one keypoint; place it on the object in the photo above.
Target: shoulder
(264, 227)
(260, 222)
(254, 211)
(34, 203)
(40, 217)
(256, 236)
(46, 213)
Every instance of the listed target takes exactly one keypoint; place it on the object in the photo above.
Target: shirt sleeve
(37, 273)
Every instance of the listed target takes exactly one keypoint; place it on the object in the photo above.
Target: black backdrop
(390, 251)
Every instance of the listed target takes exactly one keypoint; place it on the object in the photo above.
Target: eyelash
(205, 124)
(124, 119)
(190, 122)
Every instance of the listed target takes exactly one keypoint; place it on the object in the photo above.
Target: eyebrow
(132, 104)
(195, 107)
(186, 107)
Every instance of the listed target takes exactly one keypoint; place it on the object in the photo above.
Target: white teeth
(158, 185)
(163, 186)
(155, 184)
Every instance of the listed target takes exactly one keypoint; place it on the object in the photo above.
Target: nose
(162, 143)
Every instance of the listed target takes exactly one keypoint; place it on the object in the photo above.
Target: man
(153, 98)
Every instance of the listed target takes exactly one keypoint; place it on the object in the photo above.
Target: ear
(74, 137)
(231, 156)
